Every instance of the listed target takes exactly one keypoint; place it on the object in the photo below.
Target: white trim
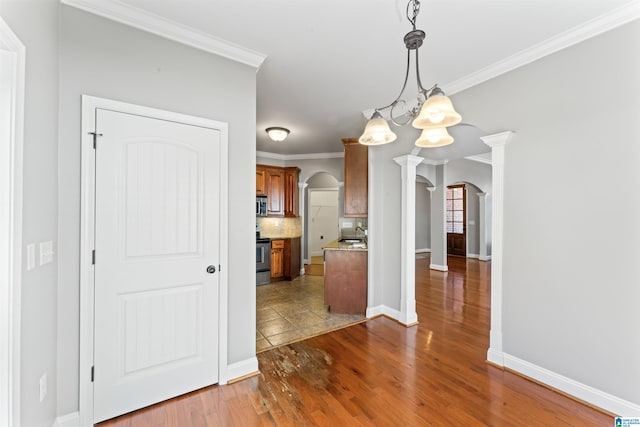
(11, 169)
(69, 420)
(168, 29)
(242, 369)
(581, 391)
(473, 256)
(383, 310)
(497, 142)
(89, 105)
(308, 156)
(577, 34)
(438, 267)
(420, 251)
(485, 258)
(479, 159)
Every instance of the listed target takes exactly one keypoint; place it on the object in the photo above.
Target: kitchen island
(345, 277)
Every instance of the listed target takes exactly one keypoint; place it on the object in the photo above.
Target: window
(455, 209)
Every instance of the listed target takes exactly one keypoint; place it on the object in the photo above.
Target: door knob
(211, 269)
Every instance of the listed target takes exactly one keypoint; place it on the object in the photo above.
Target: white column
(497, 142)
(408, 314)
(302, 195)
(439, 221)
(482, 223)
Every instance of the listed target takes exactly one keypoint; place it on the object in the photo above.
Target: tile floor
(291, 311)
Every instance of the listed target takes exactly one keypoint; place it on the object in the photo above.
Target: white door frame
(89, 104)
(12, 125)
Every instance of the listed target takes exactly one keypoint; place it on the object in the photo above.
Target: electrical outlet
(43, 386)
(31, 256)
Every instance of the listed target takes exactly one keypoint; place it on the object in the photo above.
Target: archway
(322, 206)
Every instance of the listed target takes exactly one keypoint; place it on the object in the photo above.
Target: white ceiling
(330, 60)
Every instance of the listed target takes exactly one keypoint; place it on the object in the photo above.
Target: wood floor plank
(380, 373)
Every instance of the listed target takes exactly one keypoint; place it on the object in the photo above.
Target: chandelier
(433, 112)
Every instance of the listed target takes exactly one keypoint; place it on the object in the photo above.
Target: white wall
(106, 59)
(36, 25)
(570, 284)
(423, 215)
(322, 219)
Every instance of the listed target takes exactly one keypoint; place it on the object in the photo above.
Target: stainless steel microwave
(261, 205)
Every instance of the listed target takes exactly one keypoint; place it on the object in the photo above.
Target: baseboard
(242, 369)
(473, 256)
(575, 389)
(305, 261)
(420, 251)
(69, 420)
(485, 258)
(495, 357)
(438, 267)
(383, 310)
(302, 271)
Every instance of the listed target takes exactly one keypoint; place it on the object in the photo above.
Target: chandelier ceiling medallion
(433, 112)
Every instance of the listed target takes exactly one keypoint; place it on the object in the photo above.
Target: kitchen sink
(350, 240)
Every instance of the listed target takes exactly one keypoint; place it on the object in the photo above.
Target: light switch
(46, 252)
(31, 256)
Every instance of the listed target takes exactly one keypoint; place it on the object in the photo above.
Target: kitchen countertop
(336, 245)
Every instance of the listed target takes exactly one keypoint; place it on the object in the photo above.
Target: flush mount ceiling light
(277, 133)
(433, 112)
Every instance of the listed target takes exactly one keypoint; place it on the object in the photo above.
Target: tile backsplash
(280, 227)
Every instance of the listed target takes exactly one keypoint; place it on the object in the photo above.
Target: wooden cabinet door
(275, 191)
(277, 259)
(261, 181)
(356, 178)
(291, 191)
(292, 258)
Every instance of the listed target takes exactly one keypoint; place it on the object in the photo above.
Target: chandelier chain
(414, 5)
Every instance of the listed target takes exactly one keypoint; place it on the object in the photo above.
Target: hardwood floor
(380, 373)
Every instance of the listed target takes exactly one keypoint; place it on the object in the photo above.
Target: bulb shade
(277, 134)
(436, 112)
(377, 132)
(434, 137)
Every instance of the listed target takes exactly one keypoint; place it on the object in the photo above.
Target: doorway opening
(289, 311)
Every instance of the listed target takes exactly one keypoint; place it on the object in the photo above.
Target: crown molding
(166, 28)
(480, 159)
(309, 156)
(617, 17)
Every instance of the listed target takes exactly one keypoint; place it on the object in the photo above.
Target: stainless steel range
(263, 259)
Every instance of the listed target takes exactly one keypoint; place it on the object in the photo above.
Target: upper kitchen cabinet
(280, 185)
(356, 178)
(275, 191)
(291, 191)
(261, 181)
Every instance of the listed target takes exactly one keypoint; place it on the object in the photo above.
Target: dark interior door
(456, 220)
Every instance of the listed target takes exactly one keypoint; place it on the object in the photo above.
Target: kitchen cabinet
(292, 258)
(291, 191)
(280, 185)
(275, 191)
(261, 181)
(345, 281)
(356, 178)
(277, 259)
(285, 259)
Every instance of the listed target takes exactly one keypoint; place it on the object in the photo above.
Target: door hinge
(92, 373)
(95, 138)
(93, 257)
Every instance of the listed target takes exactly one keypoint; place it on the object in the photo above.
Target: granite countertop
(336, 245)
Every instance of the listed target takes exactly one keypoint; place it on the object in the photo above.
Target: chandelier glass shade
(434, 137)
(377, 131)
(277, 133)
(433, 112)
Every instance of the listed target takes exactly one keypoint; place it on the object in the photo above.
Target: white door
(324, 219)
(156, 234)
